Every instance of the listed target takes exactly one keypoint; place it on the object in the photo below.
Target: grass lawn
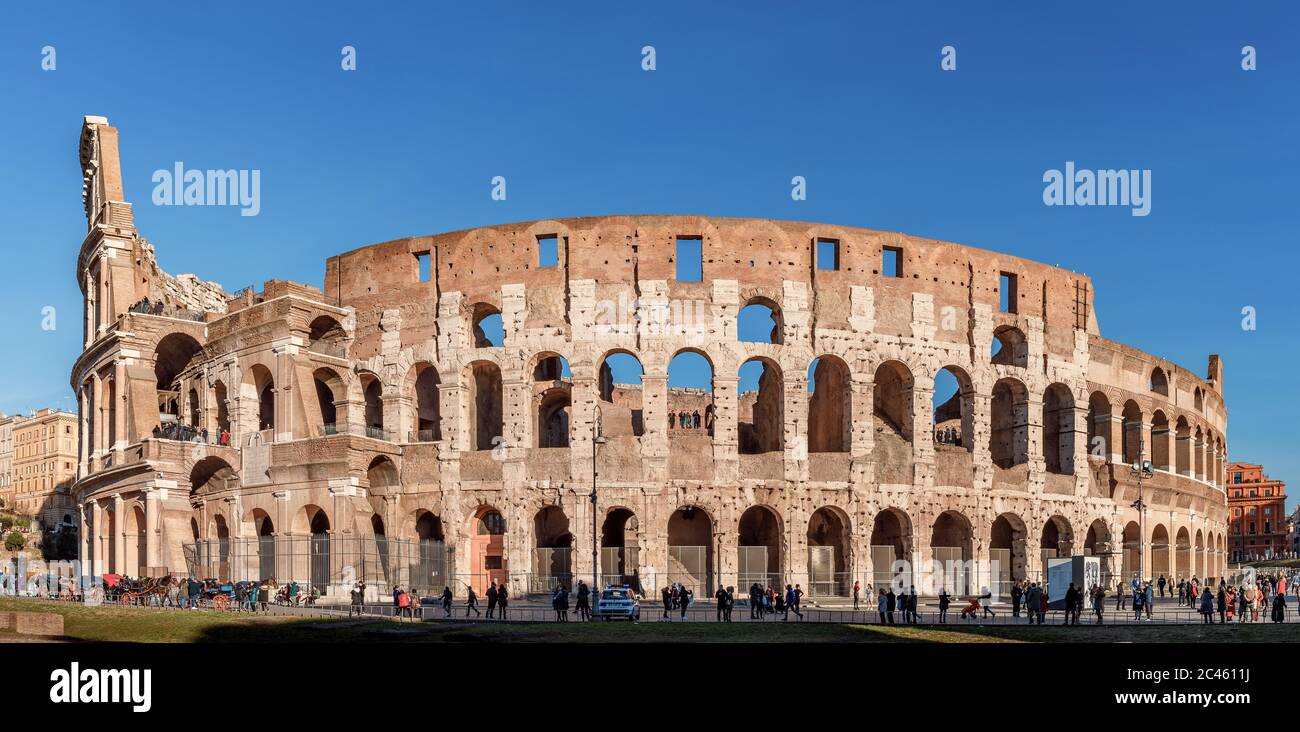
(113, 623)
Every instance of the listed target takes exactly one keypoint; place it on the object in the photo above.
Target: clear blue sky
(745, 96)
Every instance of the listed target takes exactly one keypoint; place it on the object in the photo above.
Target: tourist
(668, 601)
(254, 589)
(503, 600)
(471, 602)
(1222, 601)
(1071, 596)
(1207, 606)
(1279, 608)
(584, 601)
(944, 601)
(790, 603)
(684, 600)
(882, 605)
(357, 599)
(1182, 592)
(1119, 595)
(1098, 601)
(798, 600)
(731, 600)
(720, 597)
(1138, 599)
(857, 588)
(755, 601)
(1148, 599)
(397, 597)
(1032, 598)
(1016, 594)
(1161, 583)
(492, 598)
(912, 617)
(446, 601)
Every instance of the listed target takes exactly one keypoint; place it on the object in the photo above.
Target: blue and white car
(617, 602)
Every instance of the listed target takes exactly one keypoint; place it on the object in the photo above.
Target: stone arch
(620, 548)
(759, 545)
(486, 418)
(759, 314)
(173, 355)
(433, 566)
(1007, 547)
(487, 554)
(1100, 426)
(221, 399)
(372, 391)
(486, 325)
(1057, 539)
(326, 335)
(1132, 416)
(952, 543)
(830, 405)
(622, 405)
(690, 550)
(383, 476)
(1183, 446)
(1198, 553)
(1010, 347)
(954, 415)
(1183, 554)
(424, 383)
(1159, 382)
(263, 383)
(1132, 550)
(1198, 400)
(1058, 429)
(1159, 552)
(830, 553)
(212, 475)
(331, 395)
(1009, 423)
(552, 559)
(760, 413)
(137, 541)
(690, 384)
(892, 397)
(1160, 441)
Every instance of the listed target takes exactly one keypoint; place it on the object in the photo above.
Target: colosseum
(515, 403)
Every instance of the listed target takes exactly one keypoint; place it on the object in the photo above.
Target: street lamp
(1141, 469)
(597, 439)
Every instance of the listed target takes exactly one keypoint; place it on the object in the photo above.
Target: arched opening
(319, 554)
(758, 550)
(830, 405)
(373, 391)
(329, 386)
(110, 542)
(428, 422)
(212, 475)
(264, 388)
(327, 336)
(892, 409)
(1097, 543)
(1132, 551)
(264, 529)
(1132, 431)
(1007, 551)
(621, 395)
(1009, 347)
(552, 558)
(221, 532)
(1183, 554)
(485, 405)
(380, 532)
(690, 397)
(382, 475)
(1183, 446)
(1198, 400)
(1009, 423)
(759, 322)
(761, 407)
(690, 550)
(620, 549)
(951, 545)
(432, 569)
(1160, 441)
(552, 401)
(222, 400)
(1099, 426)
(110, 388)
(1159, 552)
(173, 355)
(192, 401)
(1058, 429)
(953, 409)
(1057, 540)
(488, 328)
(488, 549)
(1159, 381)
(1198, 454)
(891, 545)
(137, 537)
(1198, 565)
(828, 553)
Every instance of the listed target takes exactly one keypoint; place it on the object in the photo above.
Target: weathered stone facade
(376, 407)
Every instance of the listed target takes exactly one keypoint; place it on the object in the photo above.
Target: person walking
(684, 599)
(471, 602)
(1016, 594)
(798, 600)
(1161, 582)
(492, 598)
(944, 601)
(1071, 595)
(357, 600)
(446, 601)
(1098, 602)
(1137, 606)
(397, 596)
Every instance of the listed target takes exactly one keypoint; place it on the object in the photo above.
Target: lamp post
(597, 439)
(1141, 469)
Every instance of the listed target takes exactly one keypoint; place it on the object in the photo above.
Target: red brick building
(1257, 520)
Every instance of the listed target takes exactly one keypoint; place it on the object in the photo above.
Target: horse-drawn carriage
(137, 590)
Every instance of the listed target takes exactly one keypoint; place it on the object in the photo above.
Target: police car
(617, 602)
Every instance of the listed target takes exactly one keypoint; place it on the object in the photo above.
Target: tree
(15, 541)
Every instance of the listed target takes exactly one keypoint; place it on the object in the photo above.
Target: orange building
(44, 465)
(1257, 520)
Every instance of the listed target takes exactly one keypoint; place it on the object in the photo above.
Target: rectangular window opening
(891, 262)
(425, 266)
(1007, 292)
(548, 251)
(690, 259)
(828, 255)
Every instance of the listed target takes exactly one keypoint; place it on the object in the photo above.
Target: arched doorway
(431, 552)
(1183, 554)
(1159, 552)
(265, 530)
(553, 556)
(1007, 550)
(1132, 548)
(828, 553)
(620, 549)
(488, 549)
(951, 545)
(1057, 540)
(891, 541)
(758, 550)
(319, 524)
(690, 550)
